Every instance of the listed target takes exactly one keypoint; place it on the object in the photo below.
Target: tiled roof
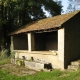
(48, 23)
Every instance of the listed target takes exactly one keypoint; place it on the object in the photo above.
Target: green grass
(53, 75)
(4, 61)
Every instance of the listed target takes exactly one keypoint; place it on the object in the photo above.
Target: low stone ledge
(75, 63)
(37, 66)
(13, 61)
(73, 67)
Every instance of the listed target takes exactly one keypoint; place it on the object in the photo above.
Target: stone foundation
(37, 66)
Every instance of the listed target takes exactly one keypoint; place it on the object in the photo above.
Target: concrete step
(37, 66)
(73, 67)
(76, 63)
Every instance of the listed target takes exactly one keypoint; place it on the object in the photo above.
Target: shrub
(20, 62)
(12, 54)
(4, 54)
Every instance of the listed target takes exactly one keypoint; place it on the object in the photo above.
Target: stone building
(55, 40)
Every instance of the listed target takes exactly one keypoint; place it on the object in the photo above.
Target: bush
(20, 62)
(12, 54)
(4, 54)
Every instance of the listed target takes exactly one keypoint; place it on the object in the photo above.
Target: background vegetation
(17, 13)
(73, 5)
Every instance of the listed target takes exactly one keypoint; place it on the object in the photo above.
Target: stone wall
(43, 56)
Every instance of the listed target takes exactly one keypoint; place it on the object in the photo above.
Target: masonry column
(12, 45)
(61, 47)
(31, 43)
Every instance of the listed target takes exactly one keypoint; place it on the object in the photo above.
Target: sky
(76, 3)
(65, 5)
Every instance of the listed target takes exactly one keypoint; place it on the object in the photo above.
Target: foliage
(4, 54)
(16, 13)
(20, 62)
(12, 55)
(5, 61)
(73, 5)
(53, 75)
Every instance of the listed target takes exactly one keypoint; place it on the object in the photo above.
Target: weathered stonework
(37, 65)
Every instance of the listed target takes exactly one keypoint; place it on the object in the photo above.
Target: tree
(16, 13)
(73, 5)
(77, 4)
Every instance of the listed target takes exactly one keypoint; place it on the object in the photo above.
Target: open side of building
(54, 40)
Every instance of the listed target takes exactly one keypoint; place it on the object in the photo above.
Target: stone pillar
(31, 43)
(12, 45)
(61, 47)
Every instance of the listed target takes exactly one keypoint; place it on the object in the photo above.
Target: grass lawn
(53, 75)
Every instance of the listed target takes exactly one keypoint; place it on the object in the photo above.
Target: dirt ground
(17, 70)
